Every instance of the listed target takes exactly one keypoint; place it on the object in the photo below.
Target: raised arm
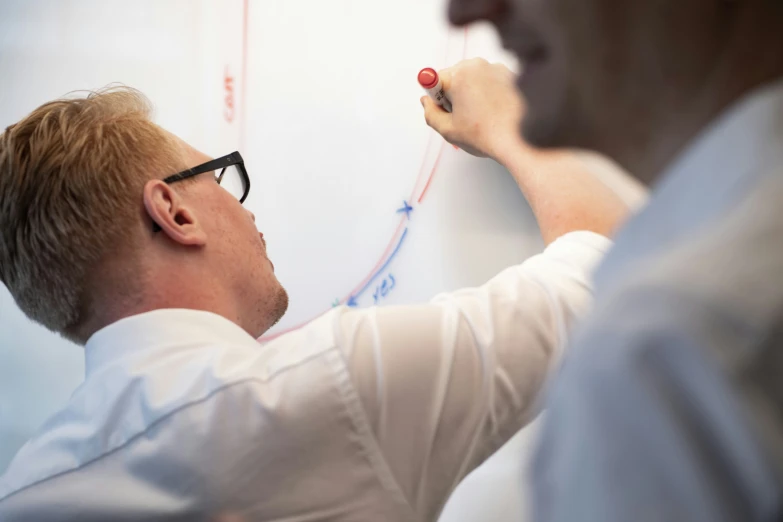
(445, 384)
(487, 111)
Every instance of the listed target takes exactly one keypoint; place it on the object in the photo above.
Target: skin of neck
(163, 279)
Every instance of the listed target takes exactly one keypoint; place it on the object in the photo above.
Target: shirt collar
(711, 175)
(158, 329)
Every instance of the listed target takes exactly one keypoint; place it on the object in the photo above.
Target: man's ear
(167, 209)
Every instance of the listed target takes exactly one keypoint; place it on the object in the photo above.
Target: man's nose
(464, 12)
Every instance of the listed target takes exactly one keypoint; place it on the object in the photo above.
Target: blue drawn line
(352, 300)
(406, 208)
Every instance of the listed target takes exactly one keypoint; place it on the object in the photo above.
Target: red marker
(429, 79)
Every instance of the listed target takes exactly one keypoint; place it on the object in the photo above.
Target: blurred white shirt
(363, 415)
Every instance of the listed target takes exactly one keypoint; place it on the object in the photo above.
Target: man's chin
(556, 133)
(539, 132)
(280, 306)
(271, 311)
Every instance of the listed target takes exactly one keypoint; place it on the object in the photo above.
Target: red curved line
(400, 227)
(432, 173)
(386, 252)
(437, 160)
(422, 169)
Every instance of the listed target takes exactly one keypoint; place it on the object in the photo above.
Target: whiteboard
(360, 202)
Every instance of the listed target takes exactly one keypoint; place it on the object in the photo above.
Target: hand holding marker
(486, 108)
(428, 78)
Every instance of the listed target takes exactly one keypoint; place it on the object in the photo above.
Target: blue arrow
(383, 268)
(407, 209)
(352, 299)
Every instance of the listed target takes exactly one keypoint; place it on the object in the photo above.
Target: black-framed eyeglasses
(230, 173)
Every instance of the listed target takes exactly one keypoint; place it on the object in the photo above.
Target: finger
(445, 77)
(436, 117)
(503, 67)
(471, 62)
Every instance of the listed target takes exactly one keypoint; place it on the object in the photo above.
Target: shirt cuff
(586, 246)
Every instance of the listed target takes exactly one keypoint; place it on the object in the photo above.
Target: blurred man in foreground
(670, 406)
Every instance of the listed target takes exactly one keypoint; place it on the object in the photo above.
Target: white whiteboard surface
(321, 99)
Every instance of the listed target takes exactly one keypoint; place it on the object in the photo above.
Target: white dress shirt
(363, 415)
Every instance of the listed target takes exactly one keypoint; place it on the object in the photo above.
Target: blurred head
(80, 190)
(632, 79)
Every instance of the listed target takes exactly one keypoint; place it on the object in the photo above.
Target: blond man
(121, 237)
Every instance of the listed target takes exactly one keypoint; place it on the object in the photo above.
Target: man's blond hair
(72, 175)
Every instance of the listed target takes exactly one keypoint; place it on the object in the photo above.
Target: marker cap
(428, 78)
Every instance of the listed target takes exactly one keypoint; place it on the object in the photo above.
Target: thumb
(436, 117)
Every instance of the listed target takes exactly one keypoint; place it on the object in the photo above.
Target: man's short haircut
(72, 175)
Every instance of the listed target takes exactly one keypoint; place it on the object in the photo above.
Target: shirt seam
(142, 433)
(356, 412)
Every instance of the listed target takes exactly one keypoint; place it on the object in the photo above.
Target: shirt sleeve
(642, 424)
(445, 384)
